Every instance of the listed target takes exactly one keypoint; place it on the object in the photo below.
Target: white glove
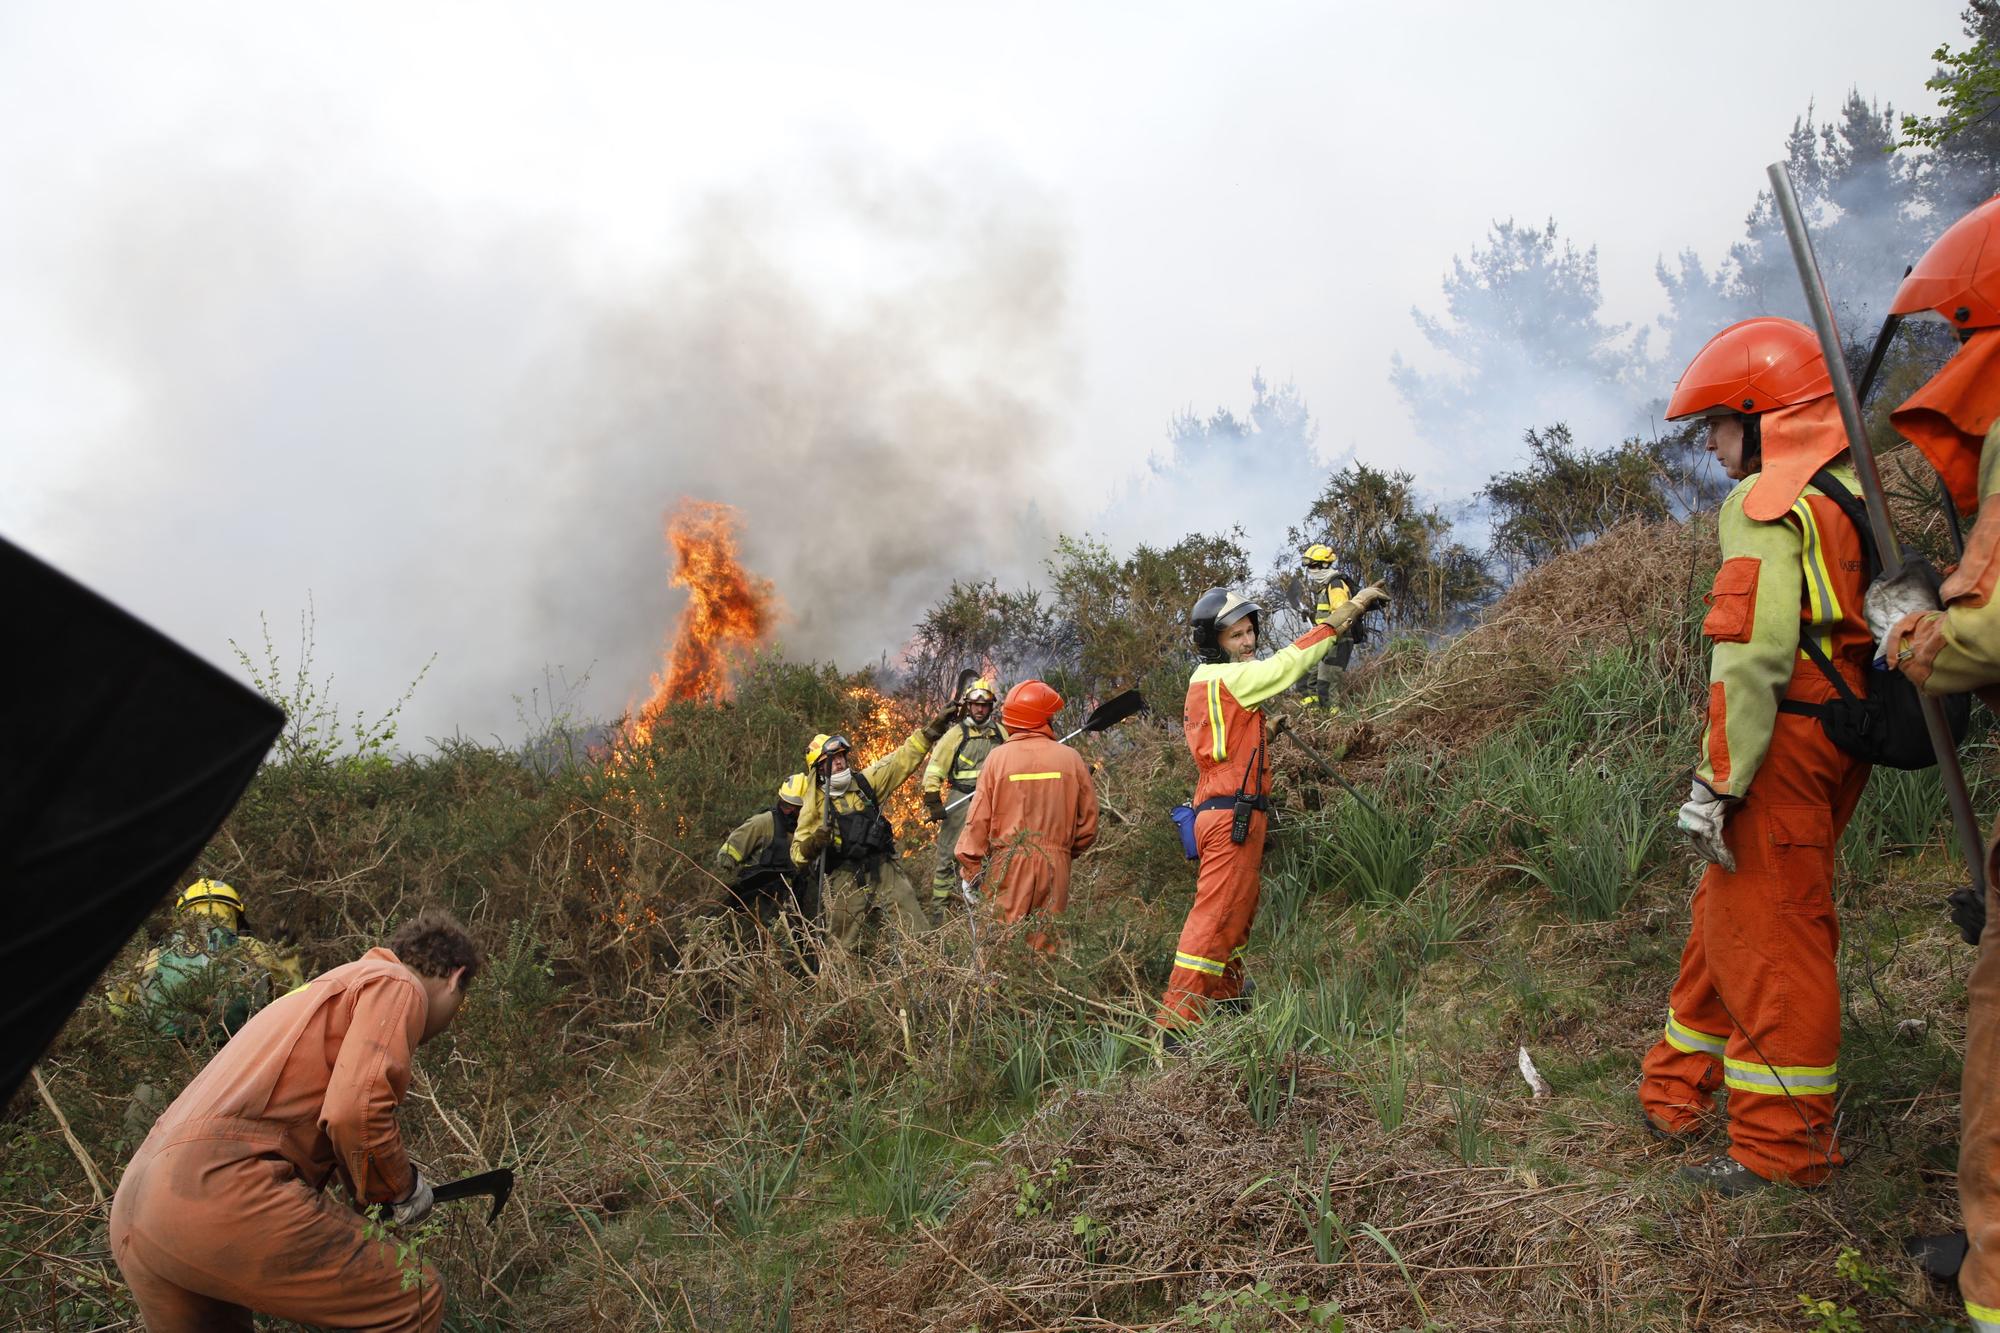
(1702, 819)
(966, 892)
(1890, 599)
(1372, 595)
(413, 1207)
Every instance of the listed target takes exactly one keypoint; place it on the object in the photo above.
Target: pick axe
(1103, 717)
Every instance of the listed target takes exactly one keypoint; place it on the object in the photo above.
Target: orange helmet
(1752, 367)
(1959, 276)
(1030, 705)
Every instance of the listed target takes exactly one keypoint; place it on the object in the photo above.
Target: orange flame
(876, 725)
(729, 611)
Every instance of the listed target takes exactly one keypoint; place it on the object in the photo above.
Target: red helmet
(1752, 367)
(1959, 276)
(1030, 705)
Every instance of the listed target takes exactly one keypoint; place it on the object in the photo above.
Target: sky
(428, 314)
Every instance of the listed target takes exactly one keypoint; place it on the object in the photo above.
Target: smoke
(461, 438)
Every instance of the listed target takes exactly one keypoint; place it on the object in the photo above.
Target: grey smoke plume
(463, 440)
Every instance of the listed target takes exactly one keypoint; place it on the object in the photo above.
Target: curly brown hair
(433, 943)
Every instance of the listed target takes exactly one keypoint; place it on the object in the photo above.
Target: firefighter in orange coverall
(1955, 420)
(1034, 810)
(1756, 1006)
(222, 1211)
(1224, 723)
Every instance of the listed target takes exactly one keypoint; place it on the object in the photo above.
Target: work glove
(1968, 913)
(935, 729)
(1702, 819)
(1370, 597)
(415, 1206)
(934, 806)
(1889, 600)
(816, 841)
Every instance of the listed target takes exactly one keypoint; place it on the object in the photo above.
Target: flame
(729, 611)
(876, 725)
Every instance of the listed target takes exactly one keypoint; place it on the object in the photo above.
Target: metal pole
(1878, 509)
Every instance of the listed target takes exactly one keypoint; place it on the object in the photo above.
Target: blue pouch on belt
(1183, 817)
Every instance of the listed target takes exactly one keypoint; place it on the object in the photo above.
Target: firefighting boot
(1725, 1175)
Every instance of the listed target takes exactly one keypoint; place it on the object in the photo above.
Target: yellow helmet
(824, 745)
(981, 689)
(1319, 553)
(211, 897)
(792, 791)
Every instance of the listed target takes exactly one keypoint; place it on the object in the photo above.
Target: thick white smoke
(462, 439)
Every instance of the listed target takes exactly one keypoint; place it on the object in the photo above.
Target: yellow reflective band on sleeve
(1196, 963)
(734, 855)
(1690, 1042)
(1779, 1080)
(1031, 777)
(1985, 1319)
(1218, 743)
(1822, 606)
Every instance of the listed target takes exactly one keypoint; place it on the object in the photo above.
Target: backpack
(1885, 724)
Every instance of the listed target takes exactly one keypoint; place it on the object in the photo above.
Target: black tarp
(120, 755)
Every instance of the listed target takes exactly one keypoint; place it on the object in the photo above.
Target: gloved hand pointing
(935, 729)
(1702, 819)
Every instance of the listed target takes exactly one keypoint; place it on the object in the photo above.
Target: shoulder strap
(1857, 513)
(867, 792)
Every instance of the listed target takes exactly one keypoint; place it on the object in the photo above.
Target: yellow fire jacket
(1331, 598)
(1773, 575)
(963, 750)
(746, 841)
(884, 776)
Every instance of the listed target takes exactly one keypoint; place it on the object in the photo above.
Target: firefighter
(1033, 812)
(952, 774)
(1330, 586)
(1224, 722)
(223, 1209)
(1756, 1006)
(210, 974)
(757, 856)
(842, 820)
(1955, 420)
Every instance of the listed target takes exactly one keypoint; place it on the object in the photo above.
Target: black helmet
(1215, 611)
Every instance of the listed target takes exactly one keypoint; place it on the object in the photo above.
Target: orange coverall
(1756, 1007)
(1955, 420)
(1033, 811)
(1224, 723)
(222, 1211)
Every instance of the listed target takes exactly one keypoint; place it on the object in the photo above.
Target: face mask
(839, 784)
(1320, 577)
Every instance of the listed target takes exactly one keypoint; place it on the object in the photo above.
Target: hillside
(954, 1139)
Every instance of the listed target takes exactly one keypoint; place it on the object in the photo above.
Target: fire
(877, 724)
(729, 611)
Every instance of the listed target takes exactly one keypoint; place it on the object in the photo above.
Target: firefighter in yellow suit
(1331, 587)
(953, 774)
(843, 822)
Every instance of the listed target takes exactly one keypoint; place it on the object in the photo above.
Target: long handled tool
(1883, 337)
(1878, 508)
(1328, 770)
(1106, 715)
